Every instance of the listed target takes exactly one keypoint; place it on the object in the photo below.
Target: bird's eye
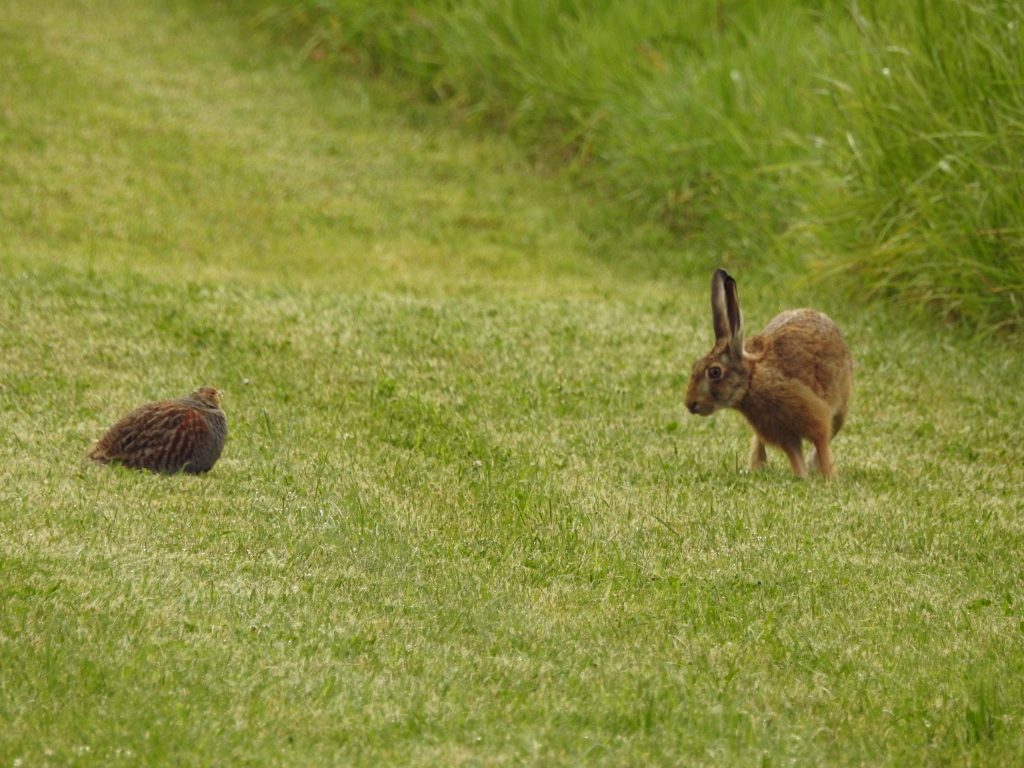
(715, 372)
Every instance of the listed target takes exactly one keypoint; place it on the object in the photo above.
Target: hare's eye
(714, 373)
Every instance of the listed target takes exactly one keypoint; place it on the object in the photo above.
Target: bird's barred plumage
(184, 435)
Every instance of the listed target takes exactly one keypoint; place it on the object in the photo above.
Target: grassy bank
(462, 517)
(879, 140)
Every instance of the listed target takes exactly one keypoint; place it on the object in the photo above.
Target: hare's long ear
(720, 305)
(733, 315)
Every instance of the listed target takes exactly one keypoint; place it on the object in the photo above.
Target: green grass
(462, 517)
(878, 141)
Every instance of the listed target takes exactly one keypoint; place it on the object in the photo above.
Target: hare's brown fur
(792, 382)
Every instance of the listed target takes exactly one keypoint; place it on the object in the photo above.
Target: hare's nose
(692, 407)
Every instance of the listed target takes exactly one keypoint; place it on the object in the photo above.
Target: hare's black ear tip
(723, 277)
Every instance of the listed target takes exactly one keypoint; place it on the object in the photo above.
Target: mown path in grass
(461, 517)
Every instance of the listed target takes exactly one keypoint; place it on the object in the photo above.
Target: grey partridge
(183, 435)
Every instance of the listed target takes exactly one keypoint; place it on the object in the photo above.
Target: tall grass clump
(878, 139)
(932, 207)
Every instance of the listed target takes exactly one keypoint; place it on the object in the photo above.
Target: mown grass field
(462, 517)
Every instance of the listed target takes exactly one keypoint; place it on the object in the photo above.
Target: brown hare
(791, 382)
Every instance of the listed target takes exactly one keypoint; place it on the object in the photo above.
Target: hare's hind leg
(795, 453)
(821, 459)
(758, 455)
(837, 419)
